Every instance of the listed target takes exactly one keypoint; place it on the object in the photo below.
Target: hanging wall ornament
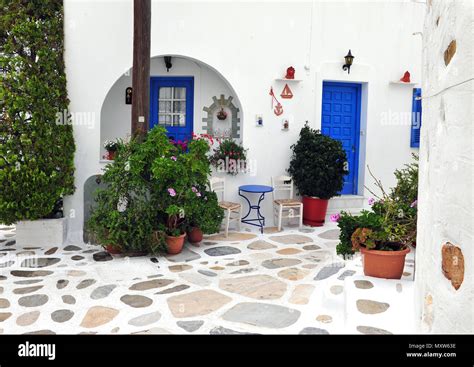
(287, 93)
(278, 109)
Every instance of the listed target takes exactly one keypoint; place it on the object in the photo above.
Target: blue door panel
(176, 133)
(340, 120)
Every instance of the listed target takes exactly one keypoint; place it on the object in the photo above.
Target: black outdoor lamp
(347, 66)
(168, 63)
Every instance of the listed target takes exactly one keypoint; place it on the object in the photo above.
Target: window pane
(165, 107)
(179, 93)
(165, 93)
(179, 120)
(179, 107)
(164, 119)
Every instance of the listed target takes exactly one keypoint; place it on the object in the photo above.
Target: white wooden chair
(285, 207)
(232, 211)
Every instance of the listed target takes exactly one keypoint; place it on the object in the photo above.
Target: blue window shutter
(416, 119)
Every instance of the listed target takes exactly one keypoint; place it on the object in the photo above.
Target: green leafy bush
(348, 223)
(164, 189)
(205, 213)
(36, 152)
(318, 164)
(391, 223)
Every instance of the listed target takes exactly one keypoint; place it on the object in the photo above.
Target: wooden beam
(141, 67)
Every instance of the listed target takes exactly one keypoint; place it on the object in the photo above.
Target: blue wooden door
(341, 120)
(171, 105)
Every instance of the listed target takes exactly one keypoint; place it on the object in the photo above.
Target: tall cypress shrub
(36, 148)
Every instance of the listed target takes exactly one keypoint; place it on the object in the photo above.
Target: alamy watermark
(76, 118)
(392, 118)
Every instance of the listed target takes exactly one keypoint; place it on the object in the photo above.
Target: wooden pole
(141, 67)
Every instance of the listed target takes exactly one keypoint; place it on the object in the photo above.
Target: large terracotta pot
(384, 264)
(195, 235)
(314, 211)
(174, 245)
(113, 250)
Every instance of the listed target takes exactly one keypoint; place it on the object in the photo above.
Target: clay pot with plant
(204, 215)
(384, 234)
(174, 229)
(318, 166)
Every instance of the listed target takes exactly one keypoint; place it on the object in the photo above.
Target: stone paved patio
(290, 282)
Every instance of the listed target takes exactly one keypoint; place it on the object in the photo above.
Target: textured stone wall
(444, 259)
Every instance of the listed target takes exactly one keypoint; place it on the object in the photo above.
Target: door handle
(353, 149)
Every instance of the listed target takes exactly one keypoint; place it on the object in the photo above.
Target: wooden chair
(217, 185)
(285, 207)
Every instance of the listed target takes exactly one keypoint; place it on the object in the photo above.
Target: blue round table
(259, 221)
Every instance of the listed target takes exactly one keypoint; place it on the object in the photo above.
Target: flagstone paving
(280, 282)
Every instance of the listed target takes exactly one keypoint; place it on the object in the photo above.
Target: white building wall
(115, 114)
(446, 170)
(250, 44)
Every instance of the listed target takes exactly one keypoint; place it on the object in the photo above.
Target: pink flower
(415, 203)
(173, 158)
(198, 194)
(371, 201)
(335, 217)
(194, 189)
(171, 192)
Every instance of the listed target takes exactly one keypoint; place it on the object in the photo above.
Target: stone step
(346, 201)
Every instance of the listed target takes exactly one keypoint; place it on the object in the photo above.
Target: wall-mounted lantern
(347, 66)
(168, 63)
(128, 95)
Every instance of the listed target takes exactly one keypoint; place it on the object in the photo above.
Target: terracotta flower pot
(195, 235)
(314, 211)
(113, 250)
(384, 264)
(111, 155)
(174, 245)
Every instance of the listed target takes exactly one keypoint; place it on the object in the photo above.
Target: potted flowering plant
(229, 157)
(174, 229)
(111, 146)
(385, 233)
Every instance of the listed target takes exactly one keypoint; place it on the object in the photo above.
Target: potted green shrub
(385, 233)
(318, 166)
(204, 216)
(36, 136)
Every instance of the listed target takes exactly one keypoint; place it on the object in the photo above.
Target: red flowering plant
(229, 157)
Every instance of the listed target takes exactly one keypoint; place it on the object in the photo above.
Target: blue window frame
(171, 105)
(416, 119)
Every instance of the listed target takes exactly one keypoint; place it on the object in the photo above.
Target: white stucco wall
(115, 114)
(250, 44)
(446, 188)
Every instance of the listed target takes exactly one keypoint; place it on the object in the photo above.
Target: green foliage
(318, 164)
(36, 153)
(391, 224)
(348, 223)
(165, 191)
(229, 156)
(406, 189)
(205, 213)
(124, 216)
